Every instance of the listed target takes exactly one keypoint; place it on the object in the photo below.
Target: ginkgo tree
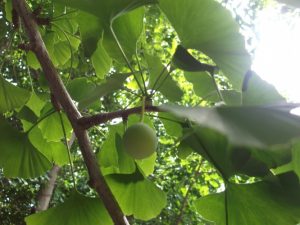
(74, 58)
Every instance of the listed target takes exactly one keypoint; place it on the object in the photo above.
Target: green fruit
(140, 141)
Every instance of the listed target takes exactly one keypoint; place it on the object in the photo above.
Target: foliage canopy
(228, 149)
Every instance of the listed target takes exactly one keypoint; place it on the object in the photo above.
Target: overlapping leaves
(230, 159)
(114, 160)
(161, 79)
(126, 177)
(265, 202)
(102, 16)
(254, 126)
(230, 138)
(210, 28)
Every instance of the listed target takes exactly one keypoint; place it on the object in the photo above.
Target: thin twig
(217, 87)
(90, 121)
(125, 57)
(68, 150)
(141, 72)
(158, 78)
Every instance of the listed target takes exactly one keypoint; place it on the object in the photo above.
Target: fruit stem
(125, 123)
(143, 108)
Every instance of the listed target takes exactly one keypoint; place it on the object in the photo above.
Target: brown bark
(59, 91)
(46, 193)
(90, 121)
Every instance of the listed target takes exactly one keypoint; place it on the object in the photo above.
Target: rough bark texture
(59, 91)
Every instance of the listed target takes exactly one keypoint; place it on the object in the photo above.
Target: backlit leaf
(208, 27)
(253, 204)
(254, 126)
(101, 61)
(76, 210)
(18, 157)
(11, 96)
(136, 195)
(54, 151)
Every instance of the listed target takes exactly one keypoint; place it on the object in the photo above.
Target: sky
(277, 54)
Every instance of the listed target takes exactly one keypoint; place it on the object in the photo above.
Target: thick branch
(47, 191)
(89, 121)
(59, 91)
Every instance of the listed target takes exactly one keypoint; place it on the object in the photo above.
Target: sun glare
(277, 56)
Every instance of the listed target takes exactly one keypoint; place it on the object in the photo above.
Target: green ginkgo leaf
(210, 28)
(18, 157)
(11, 97)
(106, 10)
(136, 195)
(115, 160)
(230, 159)
(80, 88)
(101, 60)
(171, 123)
(112, 157)
(253, 204)
(100, 14)
(35, 104)
(54, 122)
(203, 84)
(253, 126)
(256, 91)
(114, 82)
(55, 152)
(76, 210)
(161, 80)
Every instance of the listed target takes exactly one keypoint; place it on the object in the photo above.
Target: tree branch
(46, 193)
(89, 121)
(59, 91)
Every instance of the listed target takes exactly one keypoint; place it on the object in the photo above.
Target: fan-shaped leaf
(101, 61)
(112, 83)
(54, 151)
(256, 91)
(18, 157)
(35, 104)
(161, 79)
(208, 27)
(114, 160)
(11, 97)
(127, 29)
(253, 204)
(254, 126)
(53, 123)
(76, 210)
(230, 160)
(136, 195)
(112, 157)
(80, 88)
